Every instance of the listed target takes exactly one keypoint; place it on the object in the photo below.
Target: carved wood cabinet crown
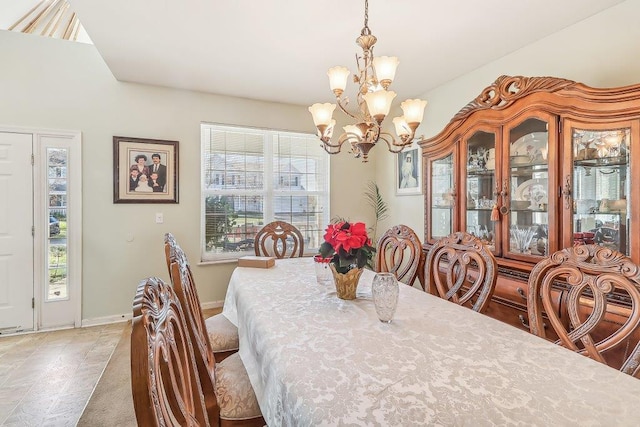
(533, 165)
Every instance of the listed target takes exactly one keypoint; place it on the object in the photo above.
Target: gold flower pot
(347, 283)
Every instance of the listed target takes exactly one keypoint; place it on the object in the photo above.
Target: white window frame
(268, 192)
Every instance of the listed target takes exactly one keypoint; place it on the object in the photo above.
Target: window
(58, 283)
(251, 177)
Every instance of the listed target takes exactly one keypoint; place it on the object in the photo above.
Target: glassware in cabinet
(442, 192)
(529, 189)
(600, 189)
(480, 187)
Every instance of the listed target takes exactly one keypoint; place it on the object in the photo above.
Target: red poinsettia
(348, 244)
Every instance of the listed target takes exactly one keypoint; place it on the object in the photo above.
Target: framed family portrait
(409, 171)
(145, 170)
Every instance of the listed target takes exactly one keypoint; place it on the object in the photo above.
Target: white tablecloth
(314, 359)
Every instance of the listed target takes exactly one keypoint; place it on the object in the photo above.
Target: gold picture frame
(145, 170)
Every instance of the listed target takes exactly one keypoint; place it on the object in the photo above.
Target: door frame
(73, 141)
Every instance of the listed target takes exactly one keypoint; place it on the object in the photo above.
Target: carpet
(111, 403)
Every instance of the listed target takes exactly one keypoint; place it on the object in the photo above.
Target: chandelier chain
(365, 30)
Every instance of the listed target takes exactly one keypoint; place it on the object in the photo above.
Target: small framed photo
(409, 171)
(145, 170)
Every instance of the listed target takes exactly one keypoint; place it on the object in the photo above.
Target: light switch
(159, 218)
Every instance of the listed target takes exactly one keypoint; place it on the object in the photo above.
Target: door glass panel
(481, 183)
(529, 188)
(442, 197)
(601, 188)
(57, 286)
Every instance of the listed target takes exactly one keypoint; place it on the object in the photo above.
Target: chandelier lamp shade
(374, 77)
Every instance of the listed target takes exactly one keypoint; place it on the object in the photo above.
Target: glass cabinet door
(527, 225)
(479, 186)
(441, 200)
(600, 189)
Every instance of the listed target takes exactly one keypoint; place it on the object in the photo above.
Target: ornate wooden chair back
(223, 335)
(185, 289)
(164, 376)
(590, 273)
(279, 239)
(470, 271)
(169, 242)
(399, 252)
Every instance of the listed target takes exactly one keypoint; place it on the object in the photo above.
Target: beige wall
(601, 51)
(46, 83)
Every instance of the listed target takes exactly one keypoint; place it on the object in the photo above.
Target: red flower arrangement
(347, 244)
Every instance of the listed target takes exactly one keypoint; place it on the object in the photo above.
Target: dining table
(317, 360)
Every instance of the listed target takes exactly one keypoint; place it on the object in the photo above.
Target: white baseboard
(96, 321)
(212, 304)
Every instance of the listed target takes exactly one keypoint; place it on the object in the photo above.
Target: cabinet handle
(504, 209)
(566, 192)
(505, 188)
(520, 292)
(526, 324)
(496, 192)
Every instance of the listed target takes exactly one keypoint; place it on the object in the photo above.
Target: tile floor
(47, 378)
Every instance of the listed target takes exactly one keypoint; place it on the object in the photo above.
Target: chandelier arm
(329, 146)
(342, 107)
(392, 145)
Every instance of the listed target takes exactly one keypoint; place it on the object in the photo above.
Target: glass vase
(323, 272)
(385, 290)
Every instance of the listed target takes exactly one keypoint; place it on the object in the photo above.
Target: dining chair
(227, 378)
(399, 251)
(175, 379)
(460, 268)
(279, 239)
(590, 274)
(164, 378)
(223, 335)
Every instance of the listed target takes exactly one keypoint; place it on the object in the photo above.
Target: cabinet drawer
(512, 290)
(509, 304)
(508, 313)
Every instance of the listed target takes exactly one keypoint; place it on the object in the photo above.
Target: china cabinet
(533, 165)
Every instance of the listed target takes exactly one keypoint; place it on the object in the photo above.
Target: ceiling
(279, 50)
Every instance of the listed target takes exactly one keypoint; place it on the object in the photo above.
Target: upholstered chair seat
(223, 335)
(234, 391)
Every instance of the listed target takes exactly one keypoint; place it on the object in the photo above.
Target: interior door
(16, 235)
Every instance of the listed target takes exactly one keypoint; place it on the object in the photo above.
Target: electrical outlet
(159, 218)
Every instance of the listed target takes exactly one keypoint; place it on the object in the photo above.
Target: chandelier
(375, 75)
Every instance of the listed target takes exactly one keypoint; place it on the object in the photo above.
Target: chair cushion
(234, 391)
(223, 334)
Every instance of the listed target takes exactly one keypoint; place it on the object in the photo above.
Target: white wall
(601, 51)
(48, 83)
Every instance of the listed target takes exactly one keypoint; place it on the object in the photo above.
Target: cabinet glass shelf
(528, 210)
(484, 173)
(603, 162)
